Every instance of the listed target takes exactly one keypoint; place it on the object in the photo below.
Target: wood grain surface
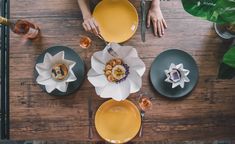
(208, 113)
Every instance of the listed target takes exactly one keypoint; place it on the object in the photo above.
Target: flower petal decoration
(97, 65)
(97, 80)
(136, 64)
(135, 81)
(45, 71)
(132, 67)
(118, 91)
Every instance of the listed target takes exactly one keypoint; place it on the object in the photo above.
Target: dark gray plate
(162, 62)
(78, 69)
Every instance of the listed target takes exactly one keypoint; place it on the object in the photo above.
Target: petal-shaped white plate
(78, 69)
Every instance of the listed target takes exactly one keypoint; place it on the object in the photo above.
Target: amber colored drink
(85, 42)
(145, 103)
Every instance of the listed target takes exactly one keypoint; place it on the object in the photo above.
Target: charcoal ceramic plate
(162, 62)
(78, 69)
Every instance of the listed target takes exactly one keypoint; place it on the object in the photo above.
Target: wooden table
(208, 113)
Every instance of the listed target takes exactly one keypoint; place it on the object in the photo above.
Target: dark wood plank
(206, 114)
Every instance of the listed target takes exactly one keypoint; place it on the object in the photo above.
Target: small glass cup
(84, 42)
(145, 102)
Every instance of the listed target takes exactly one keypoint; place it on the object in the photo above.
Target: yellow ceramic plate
(117, 122)
(118, 20)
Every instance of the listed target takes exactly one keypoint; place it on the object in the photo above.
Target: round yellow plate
(117, 122)
(118, 20)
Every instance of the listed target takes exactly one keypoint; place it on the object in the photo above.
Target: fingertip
(166, 26)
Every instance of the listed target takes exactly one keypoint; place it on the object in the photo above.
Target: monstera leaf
(218, 11)
(226, 71)
(229, 57)
(227, 67)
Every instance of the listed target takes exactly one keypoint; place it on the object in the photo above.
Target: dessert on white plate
(116, 77)
(55, 72)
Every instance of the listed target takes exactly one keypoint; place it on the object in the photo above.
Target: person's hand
(159, 24)
(91, 25)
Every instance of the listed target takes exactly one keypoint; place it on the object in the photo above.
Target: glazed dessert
(175, 75)
(145, 103)
(115, 70)
(59, 71)
(85, 42)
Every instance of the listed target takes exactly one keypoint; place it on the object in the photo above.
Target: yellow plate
(117, 122)
(118, 20)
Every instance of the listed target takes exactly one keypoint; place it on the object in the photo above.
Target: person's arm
(89, 23)
(155, 15)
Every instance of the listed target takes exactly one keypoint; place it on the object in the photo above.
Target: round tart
(59, 71)
(115, 70)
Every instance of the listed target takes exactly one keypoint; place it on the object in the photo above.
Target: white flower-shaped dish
(45, 72)
(177, 75)
(117, 91)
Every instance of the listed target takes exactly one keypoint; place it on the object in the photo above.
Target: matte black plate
(162, 62)
(78, 69)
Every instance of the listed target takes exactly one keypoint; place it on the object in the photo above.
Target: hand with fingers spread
(89, 23)
(155, 16)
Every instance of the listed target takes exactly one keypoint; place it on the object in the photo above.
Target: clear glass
(84, 42)
(145, 102)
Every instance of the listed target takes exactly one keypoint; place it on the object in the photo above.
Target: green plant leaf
(229, 57)
(226, 72)
(218, 11)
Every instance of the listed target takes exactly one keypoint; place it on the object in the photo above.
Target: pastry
(59, 71)
(115, 70)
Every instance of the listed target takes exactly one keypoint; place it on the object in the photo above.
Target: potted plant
(222, 13)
